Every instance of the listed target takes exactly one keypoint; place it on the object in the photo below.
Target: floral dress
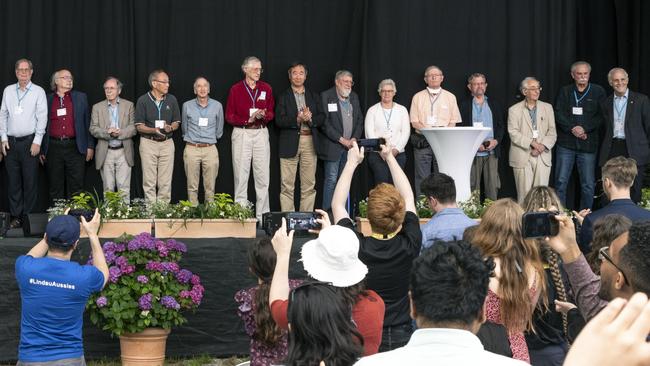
(261, 354)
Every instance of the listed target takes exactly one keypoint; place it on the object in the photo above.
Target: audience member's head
(629, 252)
(542, 198)
(321, 327)
(468, 234)
(449, 283)
(440, 190)
(261, 261)
(499, 236)
(386, 209)
(333, 257)
(606, 229)
(62, 233)
(618, 175)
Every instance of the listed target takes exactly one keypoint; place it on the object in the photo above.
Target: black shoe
(16, 223)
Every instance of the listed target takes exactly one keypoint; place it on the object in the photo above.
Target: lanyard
(345, 104)
(61, 105)
(575, 95)
(158, 105)
(112, 109)
(248, 90)
(619, 111)
(433, 100)
(20, 99)
(479, 111)
(387, 118)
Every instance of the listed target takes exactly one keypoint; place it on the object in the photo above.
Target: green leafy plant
(222, 206)
(422, 208)
(81, 200)
(146, 286)
(473, 207)
(645, 198)
(114, 206)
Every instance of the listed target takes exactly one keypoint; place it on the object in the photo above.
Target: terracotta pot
(146, 348)
(196, 228)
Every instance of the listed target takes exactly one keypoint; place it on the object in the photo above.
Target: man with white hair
(627, 126)
(202, 126)
(343, 125)
(431, 107)
(249, 109)
(531, 125)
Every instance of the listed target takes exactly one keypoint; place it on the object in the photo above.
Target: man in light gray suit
(112, 124)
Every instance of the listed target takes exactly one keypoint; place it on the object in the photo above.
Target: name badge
(577, 111)
(252, 111)
(262, 96)
(160, 123)
(332, 107)
(18, 110)
(432, 120)
(535, 134)
(203, 121)
(477, 124)
(61, 112)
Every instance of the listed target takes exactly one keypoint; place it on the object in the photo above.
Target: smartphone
(540, 224)
(87, 214)
(371, 144)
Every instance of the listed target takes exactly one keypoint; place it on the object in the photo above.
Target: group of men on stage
(62, 132)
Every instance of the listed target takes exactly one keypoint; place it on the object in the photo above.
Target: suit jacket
(637, 128)
(520, 129)
(83, 137)
(329, 147)
(286, 111)
(101, 121)
(624, 206)
(498, 119)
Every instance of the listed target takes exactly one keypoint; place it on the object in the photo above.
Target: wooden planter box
(363, 225)
(197, 228)
(115, 228)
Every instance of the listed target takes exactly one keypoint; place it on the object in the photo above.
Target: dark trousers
(66, 168)
(395, 336)
(22, 176)
(552, 355)
(379, 168)
(619, 148)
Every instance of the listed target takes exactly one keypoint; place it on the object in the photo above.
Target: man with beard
(624, 268)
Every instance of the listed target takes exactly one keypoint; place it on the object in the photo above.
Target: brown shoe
(16, 223)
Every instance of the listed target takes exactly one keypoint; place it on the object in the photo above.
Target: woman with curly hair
(519, 278)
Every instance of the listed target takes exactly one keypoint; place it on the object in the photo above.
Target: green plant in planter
(422, 208)
(181, 210)
(473, 207)
(81, 200)
(645, 198)
(363, 208)
(223, 206)
(114, 206)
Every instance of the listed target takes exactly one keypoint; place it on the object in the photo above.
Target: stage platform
(215, 329)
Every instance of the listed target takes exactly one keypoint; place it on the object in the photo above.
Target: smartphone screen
(539, 224)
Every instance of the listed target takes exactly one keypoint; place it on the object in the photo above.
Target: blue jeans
(586, 163)
(332, 171)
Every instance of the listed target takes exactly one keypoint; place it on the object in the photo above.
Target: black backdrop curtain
(504, 39)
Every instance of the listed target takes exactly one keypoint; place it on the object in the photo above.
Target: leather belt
(198, 145)
(64, 138)
(115, 147)
(155, 138)
(304, 132)
(251, 127)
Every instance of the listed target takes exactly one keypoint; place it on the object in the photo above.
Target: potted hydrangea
(146, 293)
(221, 217)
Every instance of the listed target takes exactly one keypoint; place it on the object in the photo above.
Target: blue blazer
(83, 138)
(625, 207)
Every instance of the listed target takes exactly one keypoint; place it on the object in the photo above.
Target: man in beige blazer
(112, 124)
(531, 125)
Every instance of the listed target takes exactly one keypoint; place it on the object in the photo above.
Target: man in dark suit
(68, 144)
(479, 111)
(343, 125)
(627, 126)
(618, 174)
(298, 113)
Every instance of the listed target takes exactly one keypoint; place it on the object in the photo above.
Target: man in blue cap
(54, 292)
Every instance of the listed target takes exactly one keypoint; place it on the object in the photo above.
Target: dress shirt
(30, 118)
(192, 131)
(482, 113)
(439, 346)
(148, 110)
(114, 115)
(620, 108)
(392, 124)
(62, 126)
(444, 108)
(241, 99)
(448, 224)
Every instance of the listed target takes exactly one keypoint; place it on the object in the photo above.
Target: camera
(540, 224)
(371, 144)
(78, 212)
(301, 222)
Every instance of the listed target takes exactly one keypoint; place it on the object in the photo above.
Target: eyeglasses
(162, 81)
(604, 255)
(535, 89)
(110, 88)
(387, 91)
(257, 69)
(24, 70)
(434, 76)
(347, 81)
(67, 77)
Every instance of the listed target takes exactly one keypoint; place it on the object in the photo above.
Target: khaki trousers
(196, 159)
(306, 157)
(157, 168)
(252, 146)
(116, 173)
(534, 173)
(486, 168)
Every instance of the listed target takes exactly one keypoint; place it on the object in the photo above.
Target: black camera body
(78, 212)
(371, 144)
(300, 222)
(540, 224)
